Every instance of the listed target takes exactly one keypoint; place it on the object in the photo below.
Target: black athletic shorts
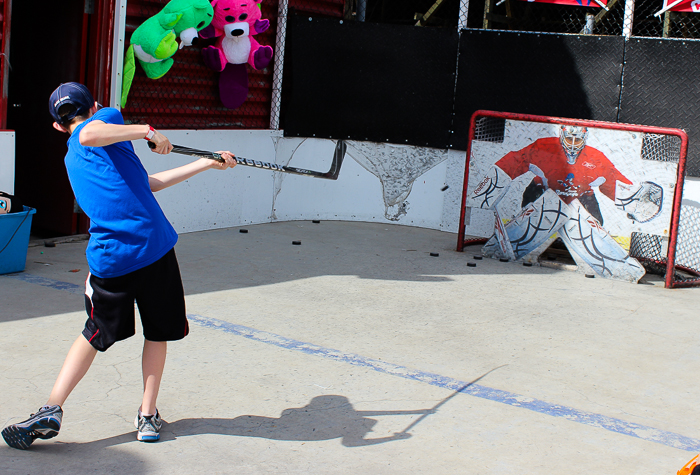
(156, 289)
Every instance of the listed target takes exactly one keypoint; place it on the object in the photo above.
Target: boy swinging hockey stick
(130, 253)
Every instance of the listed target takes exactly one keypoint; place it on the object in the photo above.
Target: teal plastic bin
(14, 240)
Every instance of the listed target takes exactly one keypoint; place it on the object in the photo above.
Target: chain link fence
(586, 17)
(667, 25)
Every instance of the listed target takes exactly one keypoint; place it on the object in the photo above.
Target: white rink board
(421, 187)
(7, 161)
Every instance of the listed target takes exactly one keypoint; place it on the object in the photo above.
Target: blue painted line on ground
(574, 415)
(612, 424)
(50, 283)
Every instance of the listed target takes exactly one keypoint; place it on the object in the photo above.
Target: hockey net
(663, 241)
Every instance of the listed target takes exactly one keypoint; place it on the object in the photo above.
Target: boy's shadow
(324, 418)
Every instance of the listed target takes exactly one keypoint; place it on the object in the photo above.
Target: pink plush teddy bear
(234, 24)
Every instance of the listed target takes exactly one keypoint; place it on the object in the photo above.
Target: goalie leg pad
(586, 238)
(530, 228)
(489, 190)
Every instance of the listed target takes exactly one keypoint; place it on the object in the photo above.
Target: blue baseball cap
(70, 93)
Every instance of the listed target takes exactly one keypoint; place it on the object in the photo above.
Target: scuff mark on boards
(282, 157)
(397, 167)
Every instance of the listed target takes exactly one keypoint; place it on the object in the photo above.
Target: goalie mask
(572, 139)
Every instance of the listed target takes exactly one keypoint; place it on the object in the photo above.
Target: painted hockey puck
(478, 258)
(49, 244)
(243, 231)
(527, 264)
(434, 254)
(296, 243)
(504, 260)
(316, 221)
(590, 276)
(471, 264)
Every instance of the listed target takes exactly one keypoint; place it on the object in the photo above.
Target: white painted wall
(691, 192)
(7, 161)
(245, 195)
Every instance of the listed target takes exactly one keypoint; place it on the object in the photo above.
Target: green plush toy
(155, 41)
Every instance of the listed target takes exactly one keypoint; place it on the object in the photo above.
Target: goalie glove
(643, 204)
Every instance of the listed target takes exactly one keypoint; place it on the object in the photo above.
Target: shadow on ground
(227, 259)
(326, 417)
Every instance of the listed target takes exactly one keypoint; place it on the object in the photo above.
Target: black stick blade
(338, 157)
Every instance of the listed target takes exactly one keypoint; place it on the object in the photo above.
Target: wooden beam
(667, 23)
(489, 6)
(424, 19)
(602, 13)
(349, 9)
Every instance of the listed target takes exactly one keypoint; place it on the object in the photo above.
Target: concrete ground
(357, 352)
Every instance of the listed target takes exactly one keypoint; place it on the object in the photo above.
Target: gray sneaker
(148, 426)
(44, 424)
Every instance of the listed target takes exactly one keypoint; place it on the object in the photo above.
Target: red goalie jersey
(569, 181)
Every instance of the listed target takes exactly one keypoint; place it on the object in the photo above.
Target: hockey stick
(502, 236)
(331, 174)
(500, 230)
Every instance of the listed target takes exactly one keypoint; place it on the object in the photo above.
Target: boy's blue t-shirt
(128, 229)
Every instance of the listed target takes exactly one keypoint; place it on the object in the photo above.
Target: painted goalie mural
(590, 187)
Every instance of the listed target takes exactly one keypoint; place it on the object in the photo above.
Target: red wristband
(150, 134)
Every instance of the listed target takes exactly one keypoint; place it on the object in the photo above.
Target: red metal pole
(4, 67)
(676, 214)
(460, 237)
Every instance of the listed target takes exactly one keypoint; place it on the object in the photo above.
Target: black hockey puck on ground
(504, 260)
(478, 258)
(471, 264)
(316, 221)
(590, 276)
(49, 244)
(434, 254)
(243, 231)
(296, 243)
(444, 188)
(527, 264)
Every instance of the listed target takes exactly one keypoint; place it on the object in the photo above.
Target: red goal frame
(668, 262)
